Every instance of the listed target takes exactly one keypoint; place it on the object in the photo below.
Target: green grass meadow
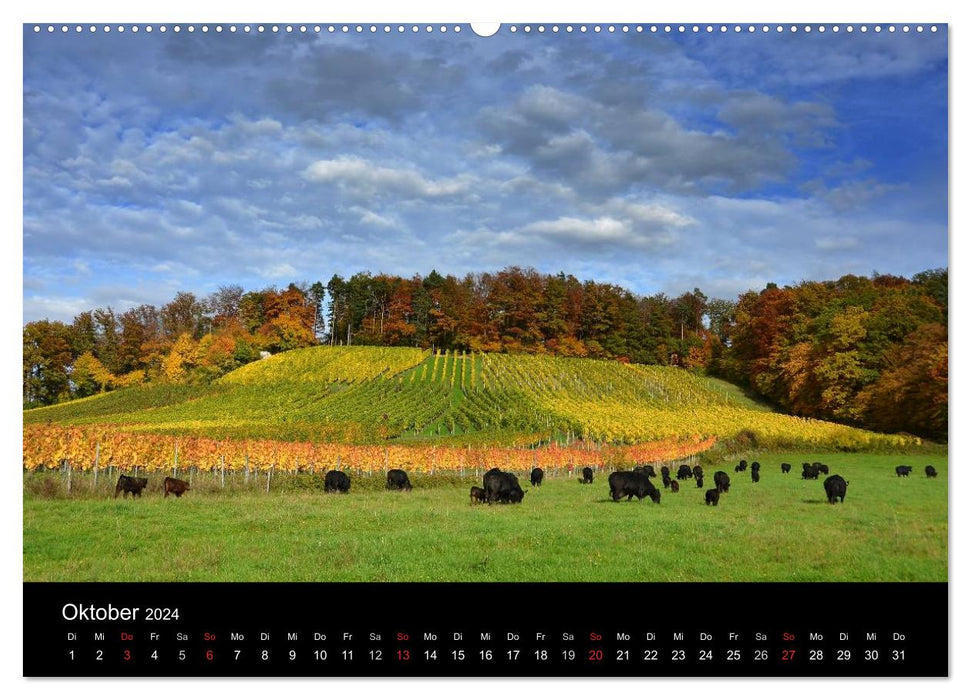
(781, 529)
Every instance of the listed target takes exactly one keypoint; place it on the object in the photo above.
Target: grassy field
(782, 529)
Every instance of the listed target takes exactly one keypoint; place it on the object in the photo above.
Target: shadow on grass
(624, 500)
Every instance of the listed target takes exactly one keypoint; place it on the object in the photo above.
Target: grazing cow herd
(812, 471)
(136, 484)
(632, 483)
(503, 487)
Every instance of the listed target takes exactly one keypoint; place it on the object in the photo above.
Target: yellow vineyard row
(83, 447)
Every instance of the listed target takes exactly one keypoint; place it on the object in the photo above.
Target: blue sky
(160, 162)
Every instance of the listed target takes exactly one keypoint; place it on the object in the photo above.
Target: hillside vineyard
(376, 395)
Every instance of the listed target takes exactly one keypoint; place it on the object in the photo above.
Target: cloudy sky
(162, 162)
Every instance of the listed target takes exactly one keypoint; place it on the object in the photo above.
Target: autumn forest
(865, 351)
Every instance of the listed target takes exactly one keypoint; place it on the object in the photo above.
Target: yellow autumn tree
(182, 358)
(89, 376)
(133, 378)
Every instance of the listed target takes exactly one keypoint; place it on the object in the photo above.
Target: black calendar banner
(508, 629)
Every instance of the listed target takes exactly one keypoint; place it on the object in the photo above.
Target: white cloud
(370, 218)
(279, 271)
(602, 230)
(649, 213)
(619, 225)
(55, 308)
(361, 176)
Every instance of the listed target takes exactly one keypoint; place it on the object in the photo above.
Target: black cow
(397, 480)
(823, 469)
(587, 476)
(810, 471)
(646, 469)
(491, 482)
(632, 484)
(502, 487)
(476, 495)
(930, 471)
(130, 484)
(175, 486)
(835, 488)
(786, 467)
(675, 487)
(722, 482)
(666, 480)
(904, 471)
(756, 465)
(755, 475)
(665, 471)
(684, 472)
(700, 481)
(536, 477)
(711, 497)
(698, 472)
(741, 466)
(337, 482)
(514, 495)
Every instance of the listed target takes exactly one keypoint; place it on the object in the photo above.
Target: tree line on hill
(869, 351)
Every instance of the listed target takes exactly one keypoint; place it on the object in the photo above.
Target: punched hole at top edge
(485, 29)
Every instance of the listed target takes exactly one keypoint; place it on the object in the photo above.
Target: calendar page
(545, 349)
